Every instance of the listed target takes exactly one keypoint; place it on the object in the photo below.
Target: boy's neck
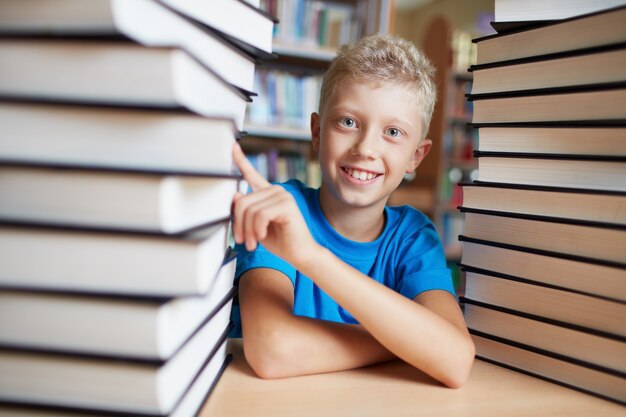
(360, 224)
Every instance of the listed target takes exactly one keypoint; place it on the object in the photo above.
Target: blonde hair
(384, 58)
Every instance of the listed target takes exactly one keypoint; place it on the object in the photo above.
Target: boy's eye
(393, 132)
(347, 122)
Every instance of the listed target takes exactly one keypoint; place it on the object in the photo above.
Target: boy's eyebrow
(340, 107)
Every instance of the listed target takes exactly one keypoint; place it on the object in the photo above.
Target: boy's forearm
(278, 344)
(310, 346)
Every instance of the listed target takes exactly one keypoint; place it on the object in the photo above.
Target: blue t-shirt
(407, 257)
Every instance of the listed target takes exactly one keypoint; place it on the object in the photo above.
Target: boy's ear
(418, 156)
(315, 131)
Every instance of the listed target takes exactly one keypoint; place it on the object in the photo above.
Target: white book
(115, 73)
(570, 203)
(111, 325)
(576, 104)
(553, 368)
(537, 266)
(591, 240)
(566, 70)
(143, 264)
(570, 307)
(105, 384)
(113, 199)
(573, 342)
(532, 10)
(115, 138)
(564, 139)
(189, 405)
(585, 31)
(239, 20)
(590, 172)
(147, 22)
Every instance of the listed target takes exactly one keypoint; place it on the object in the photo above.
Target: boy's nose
(366, 145)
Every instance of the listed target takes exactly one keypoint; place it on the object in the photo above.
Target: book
(570, 203)
(603, 279)
(111, 325)
(115, 72)
(131, 138)
(107, 384)
(140, 20)
(580, 32)
(600, 241)
(593, 172)
(554, 368)
(552, 336)
(605, 102)
(599, 314)
(562, 138)
(242, 23)
(85, 196)
(110, 262)
(504, 27)
(529, 10)
(583, 67)
(190, 404)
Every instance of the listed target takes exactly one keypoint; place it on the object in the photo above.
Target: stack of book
(544, 242)
(116, 277)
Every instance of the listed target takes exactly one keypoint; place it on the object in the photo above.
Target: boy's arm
(432, 337)
(278, 343)
(429, 334)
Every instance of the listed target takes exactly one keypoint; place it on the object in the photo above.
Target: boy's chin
(354, 198)
(363, 200)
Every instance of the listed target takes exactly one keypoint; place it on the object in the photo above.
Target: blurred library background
(306, 40)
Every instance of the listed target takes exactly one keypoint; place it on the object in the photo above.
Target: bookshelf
(435, 189)
(458, 142)
(305, 42)
(420, 190)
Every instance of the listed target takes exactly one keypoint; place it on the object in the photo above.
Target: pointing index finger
(252, 177)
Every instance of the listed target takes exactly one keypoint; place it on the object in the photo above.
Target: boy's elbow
(455, 379)
(268, 356)
(457, 375)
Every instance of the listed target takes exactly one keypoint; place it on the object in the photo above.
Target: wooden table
(395, 389)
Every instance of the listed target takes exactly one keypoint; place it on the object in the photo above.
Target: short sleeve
(422, 266)
(261, 258)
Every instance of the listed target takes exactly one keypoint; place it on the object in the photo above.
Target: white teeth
(360, 175)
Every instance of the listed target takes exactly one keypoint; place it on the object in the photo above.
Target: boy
(333, 279)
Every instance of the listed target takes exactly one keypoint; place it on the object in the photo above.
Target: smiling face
(367, 136)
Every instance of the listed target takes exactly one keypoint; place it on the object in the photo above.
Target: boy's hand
(269, 215)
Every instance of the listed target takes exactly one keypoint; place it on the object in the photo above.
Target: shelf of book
(459, 140)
